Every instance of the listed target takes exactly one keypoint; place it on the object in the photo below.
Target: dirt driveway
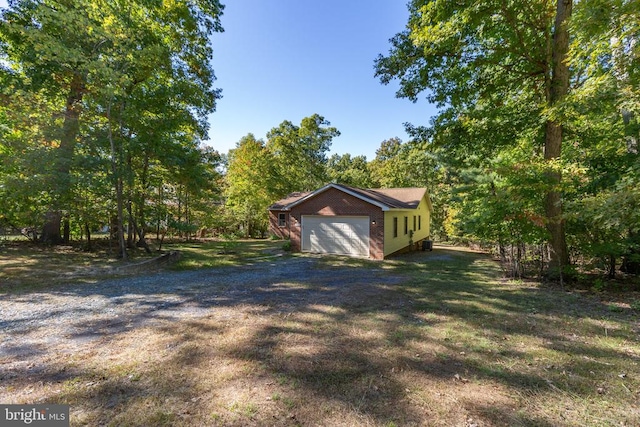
(71, 318)
(431, 338)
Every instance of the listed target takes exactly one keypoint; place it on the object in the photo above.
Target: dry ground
(426, 339)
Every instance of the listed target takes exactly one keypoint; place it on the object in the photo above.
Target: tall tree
(556, 91)
(51, 46)
(386, 168)
(300, 152)
(606, 54)
(499, 69)
(251, 184)
(138, 72)
(411, 164)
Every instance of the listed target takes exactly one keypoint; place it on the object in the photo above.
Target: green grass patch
(224, 253)
(25, 266)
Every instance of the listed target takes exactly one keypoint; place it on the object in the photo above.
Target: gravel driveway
(70, 317)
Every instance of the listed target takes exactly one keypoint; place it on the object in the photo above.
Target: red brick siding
(334, 202)
(274, 227)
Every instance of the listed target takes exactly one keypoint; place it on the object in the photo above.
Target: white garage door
(343, 235)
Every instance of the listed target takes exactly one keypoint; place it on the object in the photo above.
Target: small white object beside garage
(340, 235)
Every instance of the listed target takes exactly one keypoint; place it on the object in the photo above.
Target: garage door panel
(342, 235)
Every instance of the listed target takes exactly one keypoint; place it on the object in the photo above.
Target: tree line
(104, 105)
(534, 149)
(103, 114)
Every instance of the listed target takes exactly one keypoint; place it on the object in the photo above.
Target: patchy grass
(26, 266)
(221, 253)
(452, 344)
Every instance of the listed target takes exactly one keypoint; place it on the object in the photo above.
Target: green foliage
(615, 308)
(300, 153)
(111, 99)
(489, 65)
(413, 164)
(251, 183)
(599, 285)
(182, 227)
(347, 170)
(258, 174)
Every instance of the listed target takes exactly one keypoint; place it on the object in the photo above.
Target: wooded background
(534, 150)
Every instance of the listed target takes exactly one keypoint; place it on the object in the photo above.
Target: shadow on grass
(389, 342)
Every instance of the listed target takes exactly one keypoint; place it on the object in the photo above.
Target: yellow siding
(393, 244)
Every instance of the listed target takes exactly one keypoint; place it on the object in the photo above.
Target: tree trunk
(51, 229)
(87, 230)
(612, 267)
(158, 210)
(121, 242)
(559, 87)
(131, 239)
(116, 156)
(141, 199)
(187, 220)
(63, 158)
(131, 232)
(142, 241)
(66, 233)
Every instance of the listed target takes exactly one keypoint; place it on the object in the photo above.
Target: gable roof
(384, 198)
(291, 198)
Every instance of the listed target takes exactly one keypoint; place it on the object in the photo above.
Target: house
(338, 219)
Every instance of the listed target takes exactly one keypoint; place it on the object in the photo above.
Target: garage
(340, 235)
(343, 220)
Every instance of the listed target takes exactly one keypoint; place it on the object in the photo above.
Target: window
(414, 223)
(406, 225)
(419, 222)
(395, 226)
(282, 220)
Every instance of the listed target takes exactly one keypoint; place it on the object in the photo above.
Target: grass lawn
(452, 344)
(221, 253)
(26, 266)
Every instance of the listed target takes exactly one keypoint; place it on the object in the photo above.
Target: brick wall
(274, 226)
(334, 202)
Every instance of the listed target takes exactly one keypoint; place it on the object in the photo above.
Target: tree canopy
(127, 88)
(538, 103)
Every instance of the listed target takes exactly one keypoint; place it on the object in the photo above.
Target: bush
(286, 246)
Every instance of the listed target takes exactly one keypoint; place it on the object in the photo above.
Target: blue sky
(287, 59)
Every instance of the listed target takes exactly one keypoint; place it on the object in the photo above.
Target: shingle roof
(400, 198)
(391, 198)
(291, 198)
